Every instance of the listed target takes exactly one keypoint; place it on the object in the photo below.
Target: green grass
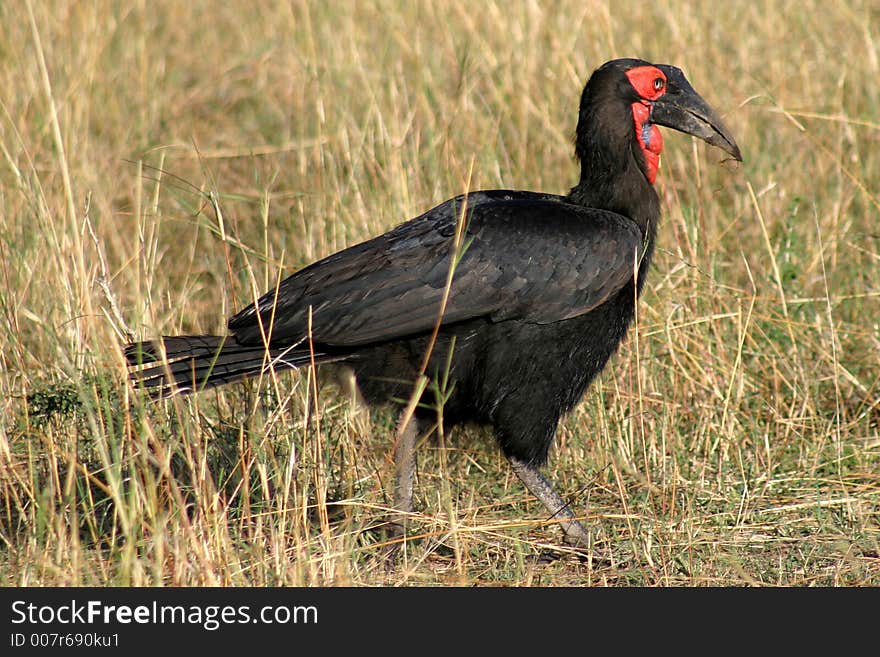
(734, 439)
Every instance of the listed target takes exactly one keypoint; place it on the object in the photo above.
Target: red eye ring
(659, 83)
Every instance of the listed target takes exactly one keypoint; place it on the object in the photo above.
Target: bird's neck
(620, 186)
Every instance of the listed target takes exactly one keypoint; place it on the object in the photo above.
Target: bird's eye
(659, 83)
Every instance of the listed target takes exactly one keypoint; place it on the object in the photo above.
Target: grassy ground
(733, 441)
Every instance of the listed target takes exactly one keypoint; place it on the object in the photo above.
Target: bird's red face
(650, 84)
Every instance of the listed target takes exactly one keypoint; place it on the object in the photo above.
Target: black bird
(543, 288)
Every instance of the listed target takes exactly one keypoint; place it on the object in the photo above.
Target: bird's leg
(404, 460)
(575, 533)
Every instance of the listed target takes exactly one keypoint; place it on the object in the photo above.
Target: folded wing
(523, 256)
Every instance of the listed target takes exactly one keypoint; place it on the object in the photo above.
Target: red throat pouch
(649, 137)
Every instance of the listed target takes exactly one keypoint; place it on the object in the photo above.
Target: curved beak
(683, 109)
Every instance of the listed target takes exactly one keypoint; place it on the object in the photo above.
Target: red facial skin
(650, 83)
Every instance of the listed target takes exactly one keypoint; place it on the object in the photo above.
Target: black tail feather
(197, 362)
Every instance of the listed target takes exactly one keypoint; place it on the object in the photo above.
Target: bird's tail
(193, 363)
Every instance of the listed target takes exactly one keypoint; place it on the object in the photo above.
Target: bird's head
(625, 100)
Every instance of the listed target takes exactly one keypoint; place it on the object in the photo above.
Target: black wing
(525, 256)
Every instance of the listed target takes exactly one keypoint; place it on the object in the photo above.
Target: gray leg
(575, 534)
(405, 461)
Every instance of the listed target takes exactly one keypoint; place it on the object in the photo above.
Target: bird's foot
(576, 536)
(395, 535)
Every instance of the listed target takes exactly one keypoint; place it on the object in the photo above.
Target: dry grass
(734, 440)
